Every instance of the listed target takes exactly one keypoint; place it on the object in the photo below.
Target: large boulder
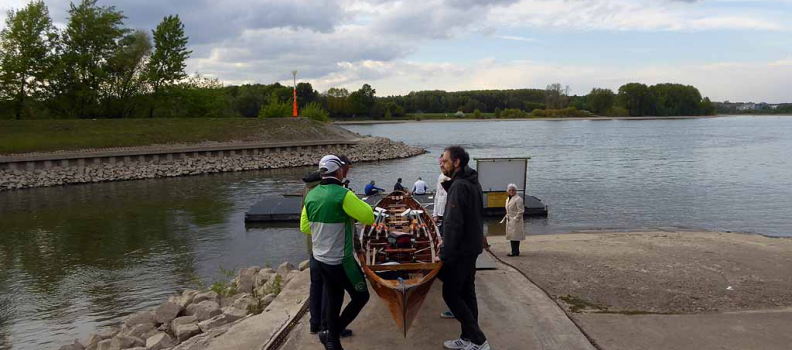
(284, 269)
(140, 318)
(104, 345)
(230, 314)
(186, 331)
(187, 297)
(246, 303)
(204, 310)
(160, 341)
(247, 279)
(102, 334)
(263, 276)
(184, 320)
(138, 331)
(124, 342)
(267, 299)
(304, 265)
(167, 312)
(211, 296)
(73, 346)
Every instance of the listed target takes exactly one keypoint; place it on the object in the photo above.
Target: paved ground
(514, 314)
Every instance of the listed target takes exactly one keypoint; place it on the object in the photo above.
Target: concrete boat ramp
(513, 313)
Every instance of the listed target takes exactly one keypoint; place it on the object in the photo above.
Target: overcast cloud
(401, 46)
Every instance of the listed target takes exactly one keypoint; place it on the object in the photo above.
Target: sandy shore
(658, 272)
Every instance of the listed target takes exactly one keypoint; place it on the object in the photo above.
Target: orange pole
(295, 102)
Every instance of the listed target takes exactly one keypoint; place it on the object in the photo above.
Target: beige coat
(515, 229)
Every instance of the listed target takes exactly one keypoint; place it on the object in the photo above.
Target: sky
(732, 50)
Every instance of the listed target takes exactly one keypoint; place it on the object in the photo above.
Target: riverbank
(35, 136)
(364, 150)
(451, 119)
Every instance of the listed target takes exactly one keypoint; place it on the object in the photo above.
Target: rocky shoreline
(368, 149)
(192, 317)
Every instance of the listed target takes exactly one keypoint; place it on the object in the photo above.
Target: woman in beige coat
(515, 229)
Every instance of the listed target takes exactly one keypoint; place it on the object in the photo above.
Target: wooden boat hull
(402, 285)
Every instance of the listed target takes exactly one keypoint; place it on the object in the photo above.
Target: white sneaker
(457, 344)
(472, 346)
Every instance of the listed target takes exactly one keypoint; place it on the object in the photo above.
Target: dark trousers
(515, 246)
(459, 293)
(317, 298)
(335, 283)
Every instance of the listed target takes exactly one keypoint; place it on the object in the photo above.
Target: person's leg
(514, 248)
(334, 292)
(357, 298)
(517, 247)
(468, 294)
(453, 279)
(315, 298)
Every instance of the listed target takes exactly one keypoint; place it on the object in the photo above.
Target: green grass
(53, 135)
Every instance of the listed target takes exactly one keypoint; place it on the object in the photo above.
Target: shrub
(315, 111)
(513, 113)
(497, 112)
(617, 112)
(275, 109)
(477, 114)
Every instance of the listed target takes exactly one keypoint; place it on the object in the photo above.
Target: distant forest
(95, 67)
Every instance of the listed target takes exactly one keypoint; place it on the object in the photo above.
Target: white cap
(329, 164)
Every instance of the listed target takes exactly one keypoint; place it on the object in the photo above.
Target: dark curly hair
(457, 152)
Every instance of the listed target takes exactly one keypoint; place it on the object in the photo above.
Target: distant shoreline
(352, 122)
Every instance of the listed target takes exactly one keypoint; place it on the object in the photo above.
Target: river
(79, 257)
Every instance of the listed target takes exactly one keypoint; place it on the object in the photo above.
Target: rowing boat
(398, 253)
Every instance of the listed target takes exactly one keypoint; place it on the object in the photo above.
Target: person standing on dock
(515, 228)
(328, 215)
(420, 187)
(463, 235)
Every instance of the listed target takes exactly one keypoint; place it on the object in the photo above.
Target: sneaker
(346, 333)
(456, 344)
(447, 314)
(323, 337)
(472, 346)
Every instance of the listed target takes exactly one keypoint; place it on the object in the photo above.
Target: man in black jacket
(463, 233)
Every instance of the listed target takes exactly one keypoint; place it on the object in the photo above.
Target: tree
(126, 74)
(338, 102)
(362, 100)
(27, 46)
(306, 94)
(556, 97)
(601, 100)
(90, 39)
(170, 53)
(635, 97)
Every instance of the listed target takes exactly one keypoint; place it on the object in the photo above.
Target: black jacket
(463, 228)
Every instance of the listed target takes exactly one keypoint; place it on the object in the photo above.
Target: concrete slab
(766, 330)
(514, 314)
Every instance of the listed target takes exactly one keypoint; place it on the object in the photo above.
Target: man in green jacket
(328, 215)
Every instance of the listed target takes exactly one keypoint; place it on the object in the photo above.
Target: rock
(104, 345)
(167, 312)
(124, 342)
(211, 296)
(102, 334)
(247, 279)
(262, 277)
(304, 265)
(184, 320)
(140, 318)
(267, 299)
(284, 269)
(140, 330)
(186, 331)
(204, 310)
(245, 303)
(160, 341)
(187, 297)
(73, 346)
(222, 319)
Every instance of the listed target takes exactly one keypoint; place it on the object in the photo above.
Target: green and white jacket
(328, 216)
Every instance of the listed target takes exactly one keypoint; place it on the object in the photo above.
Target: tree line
(97, 68)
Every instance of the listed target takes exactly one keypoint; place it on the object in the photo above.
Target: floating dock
(288, 208)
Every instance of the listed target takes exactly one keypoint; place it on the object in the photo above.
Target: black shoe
(323, 337)
(510, 254)
(346, 333)
(331, 346)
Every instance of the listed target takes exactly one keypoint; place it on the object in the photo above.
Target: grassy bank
(53, 135)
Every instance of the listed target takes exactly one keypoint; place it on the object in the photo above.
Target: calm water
(75, 258)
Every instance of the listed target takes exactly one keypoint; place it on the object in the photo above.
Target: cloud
(516, 38)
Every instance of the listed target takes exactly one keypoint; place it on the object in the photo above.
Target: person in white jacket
(439, 199)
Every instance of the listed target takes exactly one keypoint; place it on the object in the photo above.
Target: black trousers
(335, 283)
(515, 246)
(459, 293)
(317, 298)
